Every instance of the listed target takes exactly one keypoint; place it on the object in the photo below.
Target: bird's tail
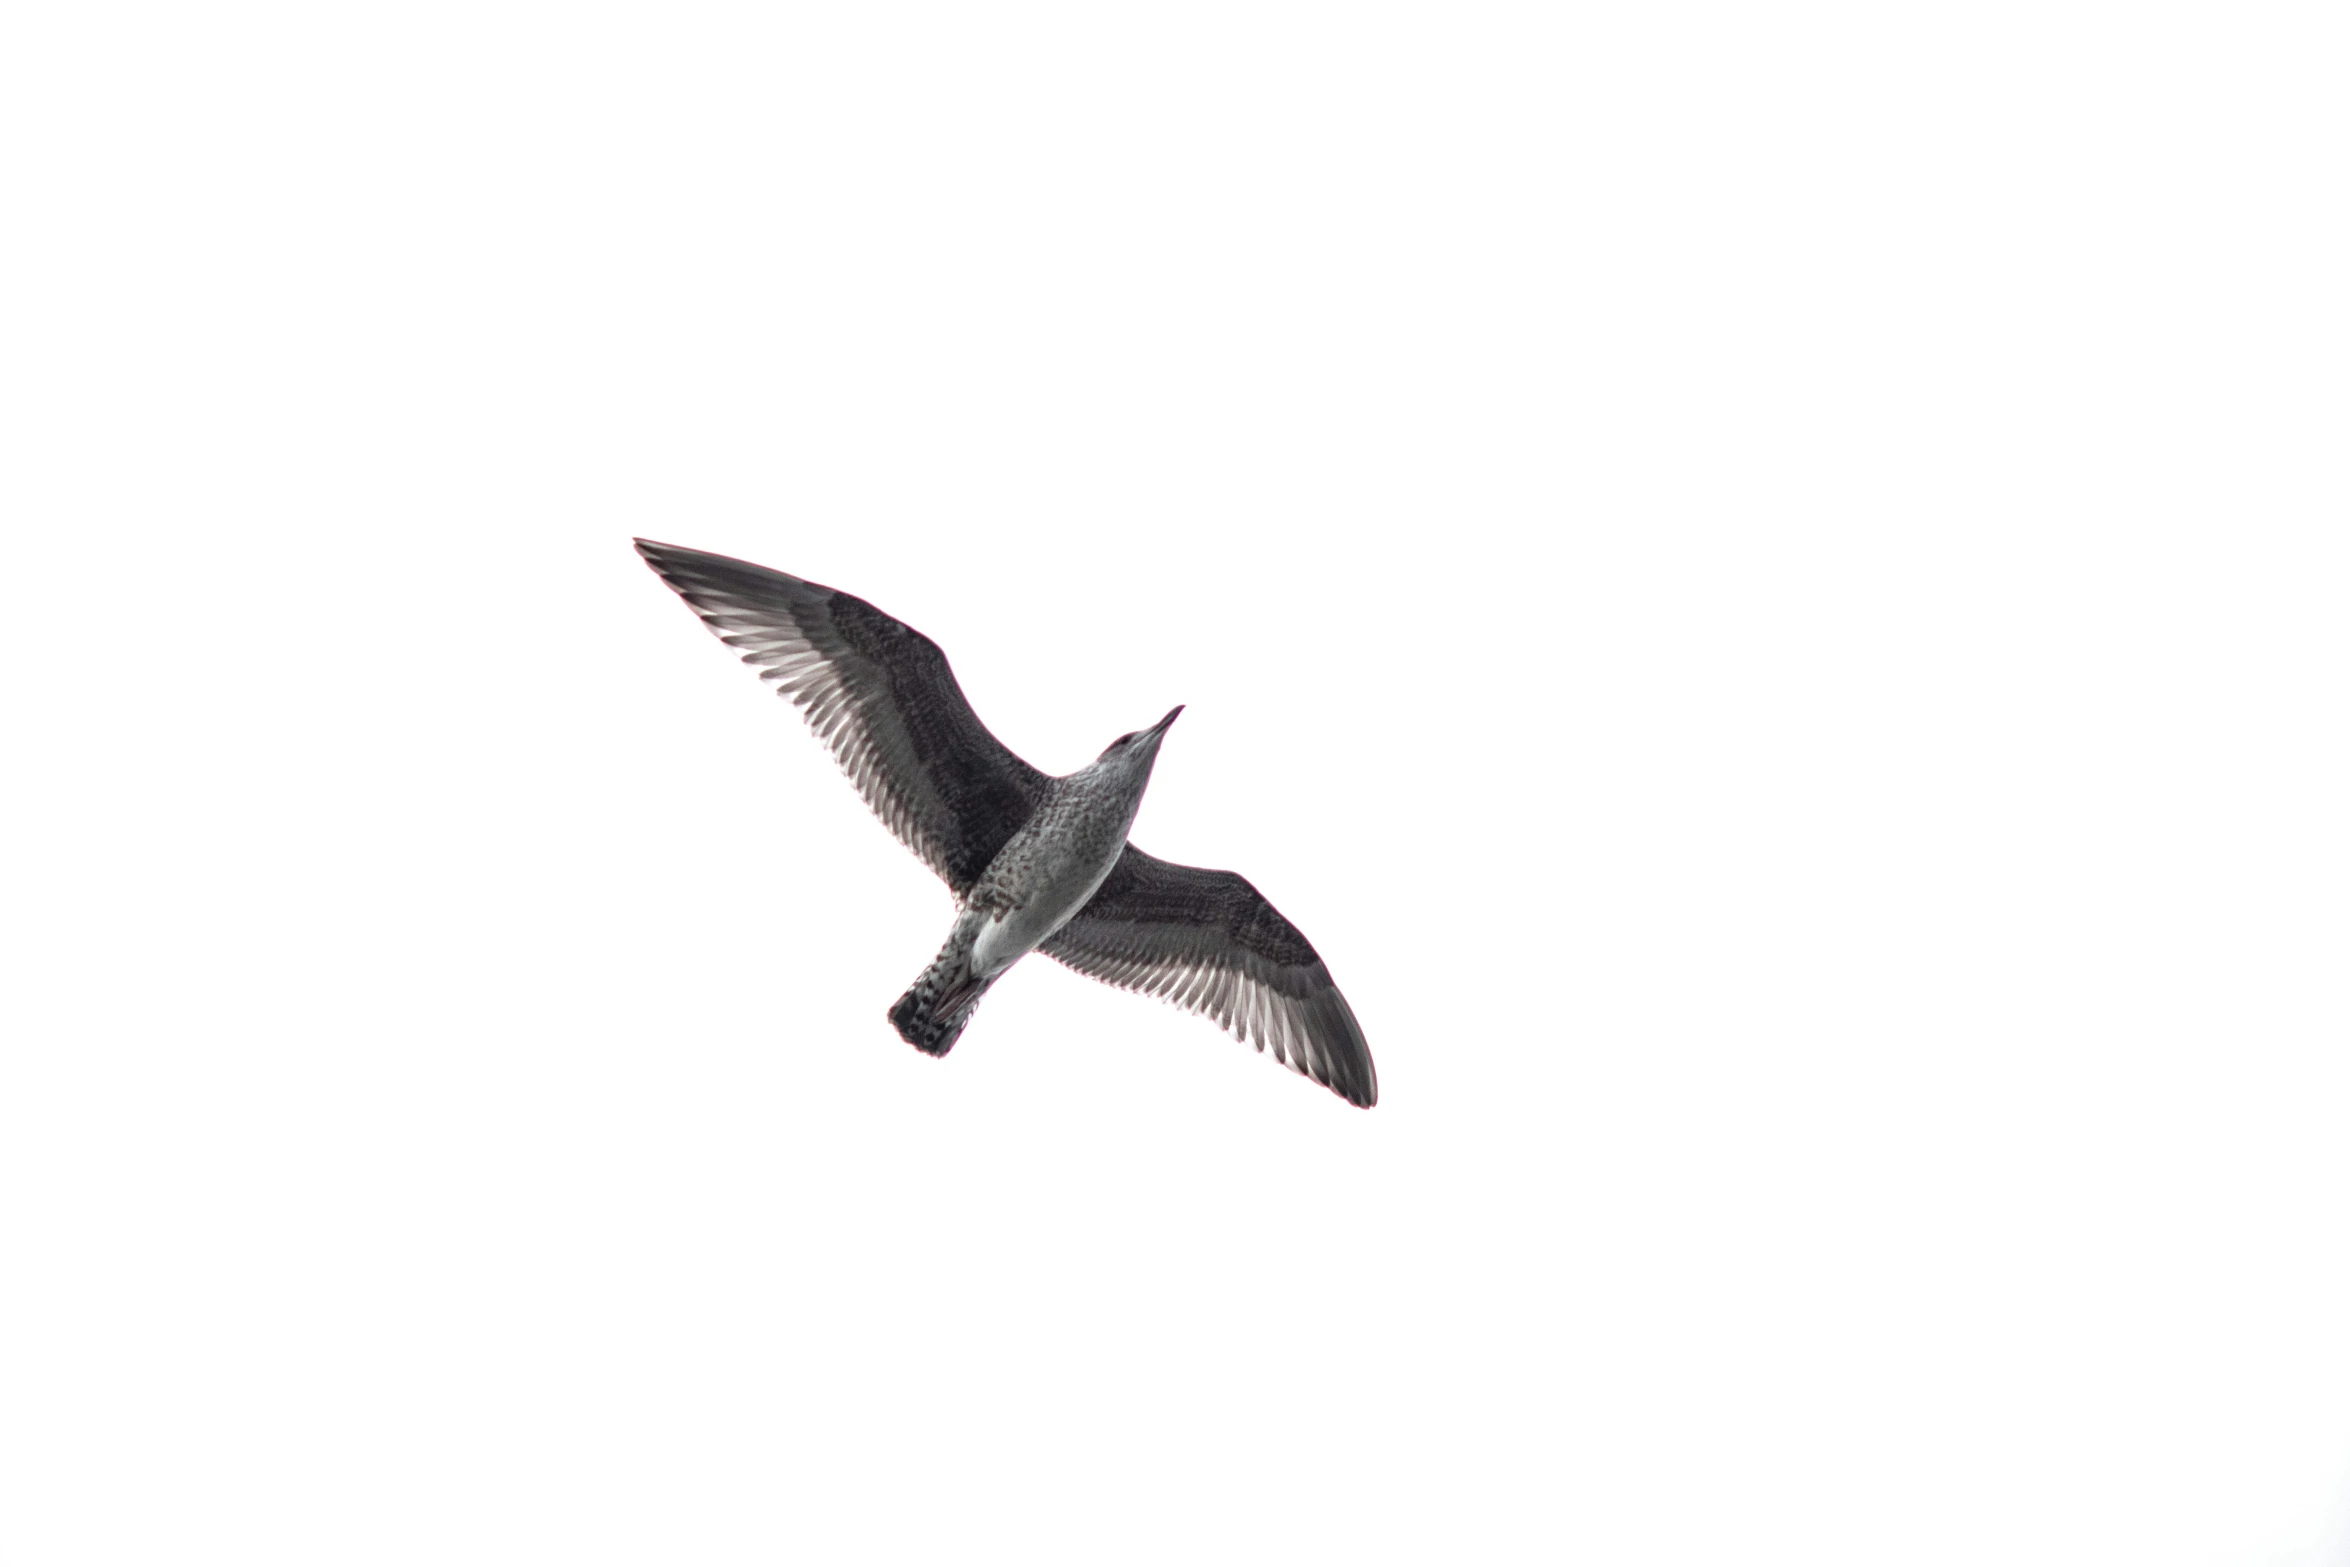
(936, 1008)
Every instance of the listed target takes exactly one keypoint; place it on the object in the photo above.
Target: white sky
(1767, 583)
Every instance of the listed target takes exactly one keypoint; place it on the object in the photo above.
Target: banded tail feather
(937, 1007)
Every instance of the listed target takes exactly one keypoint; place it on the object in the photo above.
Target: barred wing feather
(880, 694)
(1210, 943)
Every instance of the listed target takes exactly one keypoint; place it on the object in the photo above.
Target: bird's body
(1048, 870)
(1036, 863)
(1058, 859)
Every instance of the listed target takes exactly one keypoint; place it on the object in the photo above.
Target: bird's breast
(1044, 875)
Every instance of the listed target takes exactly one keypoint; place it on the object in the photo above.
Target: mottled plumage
(1036, 863)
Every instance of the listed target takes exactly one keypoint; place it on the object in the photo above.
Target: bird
(1037, 863)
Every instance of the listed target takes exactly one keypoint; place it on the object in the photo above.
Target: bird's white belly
(1061, 887)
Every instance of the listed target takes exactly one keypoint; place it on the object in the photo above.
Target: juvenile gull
(1036, 863)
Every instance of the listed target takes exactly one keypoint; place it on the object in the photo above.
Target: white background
(1767, 583)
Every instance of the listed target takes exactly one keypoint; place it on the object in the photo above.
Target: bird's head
(1141, 746)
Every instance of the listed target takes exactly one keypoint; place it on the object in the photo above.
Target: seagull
(1036, 863)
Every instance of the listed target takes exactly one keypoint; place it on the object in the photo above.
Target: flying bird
(1036, 863)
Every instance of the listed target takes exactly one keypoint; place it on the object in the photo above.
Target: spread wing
(1210, 943)
(880, 694)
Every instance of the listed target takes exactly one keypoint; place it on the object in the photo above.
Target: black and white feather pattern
(1210, 943)
(880, 694)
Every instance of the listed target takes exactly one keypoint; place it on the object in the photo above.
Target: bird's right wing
(1210, 943)
(880, 694)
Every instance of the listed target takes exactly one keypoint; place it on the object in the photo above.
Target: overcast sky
(1766, 583)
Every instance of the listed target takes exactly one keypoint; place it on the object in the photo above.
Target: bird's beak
(1159, 729)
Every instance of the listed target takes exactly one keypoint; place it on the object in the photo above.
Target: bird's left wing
(880, 694)
(1210, 943)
